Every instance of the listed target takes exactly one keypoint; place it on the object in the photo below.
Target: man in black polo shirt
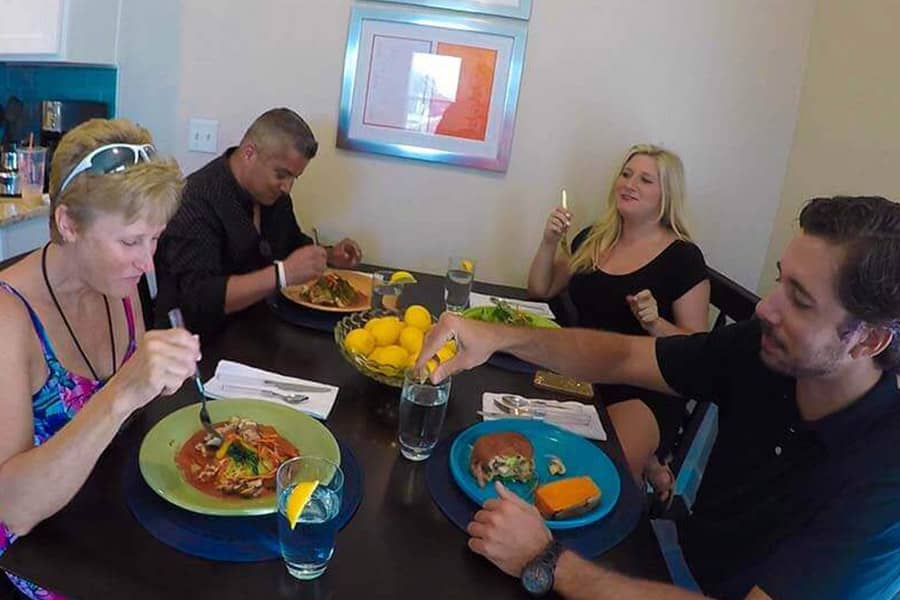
(801, 495)
(235, 238)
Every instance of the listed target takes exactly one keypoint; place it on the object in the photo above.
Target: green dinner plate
(485, 313)
(161, 444)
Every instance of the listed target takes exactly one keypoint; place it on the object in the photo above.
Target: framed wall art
(432, 86)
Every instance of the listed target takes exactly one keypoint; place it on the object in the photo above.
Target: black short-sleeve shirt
(600, 297)
(801, 509)
(212, 237)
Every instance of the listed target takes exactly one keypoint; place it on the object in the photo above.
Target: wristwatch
(537, 576)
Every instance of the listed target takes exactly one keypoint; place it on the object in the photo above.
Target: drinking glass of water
(458, 283)
(384, 293)
(421, 415)
(308, 546)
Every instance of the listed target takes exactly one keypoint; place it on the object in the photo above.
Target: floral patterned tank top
(54, 405)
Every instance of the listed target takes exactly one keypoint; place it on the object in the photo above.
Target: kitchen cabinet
(78, 31)
(30, 26)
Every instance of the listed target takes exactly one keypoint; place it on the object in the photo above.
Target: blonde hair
(604, 234)
(149, 190)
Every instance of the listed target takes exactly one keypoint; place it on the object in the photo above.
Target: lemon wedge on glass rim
(402, 277)
(467, 265)
(297, 501)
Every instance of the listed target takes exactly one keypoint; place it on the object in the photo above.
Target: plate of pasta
(180, 462)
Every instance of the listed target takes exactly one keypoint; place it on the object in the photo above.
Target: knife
(282, 385)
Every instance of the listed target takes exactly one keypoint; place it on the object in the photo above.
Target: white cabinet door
(78, 31)
(30, 26)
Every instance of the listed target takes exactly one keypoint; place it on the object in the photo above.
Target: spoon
(514, 401)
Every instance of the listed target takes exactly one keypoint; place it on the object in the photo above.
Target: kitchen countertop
(12, 210)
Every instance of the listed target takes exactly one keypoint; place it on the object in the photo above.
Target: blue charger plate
(578, 455)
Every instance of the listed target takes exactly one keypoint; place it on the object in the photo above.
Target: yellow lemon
(446, 352)
(298, 500)
(417, 316)
(386, 332)
(411, 339)
(359, 341)
(393, 356)
(467, 265)
(375, 355)
(371, 323)
(402, 277)
(411, 361)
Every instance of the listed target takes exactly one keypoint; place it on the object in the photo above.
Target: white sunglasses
(111, 158)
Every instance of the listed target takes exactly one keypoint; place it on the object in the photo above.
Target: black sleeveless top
(600, 297)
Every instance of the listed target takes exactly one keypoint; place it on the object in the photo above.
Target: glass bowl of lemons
(381, 343)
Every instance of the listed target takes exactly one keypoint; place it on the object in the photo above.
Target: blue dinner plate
(578, 455)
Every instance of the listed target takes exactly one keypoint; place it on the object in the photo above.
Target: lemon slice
(467, 266)
(298, 500)
(402, 277)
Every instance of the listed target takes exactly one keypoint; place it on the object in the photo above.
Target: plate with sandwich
(570, 480)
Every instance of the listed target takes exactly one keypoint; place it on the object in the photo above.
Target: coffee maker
(58, 117)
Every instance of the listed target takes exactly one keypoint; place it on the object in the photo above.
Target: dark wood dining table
(398, 545)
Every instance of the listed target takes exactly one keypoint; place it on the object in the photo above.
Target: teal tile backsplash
(33, 83)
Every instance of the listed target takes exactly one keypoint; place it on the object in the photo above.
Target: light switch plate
(204, 136)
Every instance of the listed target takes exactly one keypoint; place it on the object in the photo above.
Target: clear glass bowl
(381, 373)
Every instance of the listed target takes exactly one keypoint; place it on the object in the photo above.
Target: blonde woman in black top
(635, 271)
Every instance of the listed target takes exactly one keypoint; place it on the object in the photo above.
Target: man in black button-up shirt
(801, 496)
(219, 253)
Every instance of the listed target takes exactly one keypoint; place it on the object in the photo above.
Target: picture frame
(515, 9)
(432, 86)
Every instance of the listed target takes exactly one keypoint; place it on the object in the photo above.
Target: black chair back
(733, 301)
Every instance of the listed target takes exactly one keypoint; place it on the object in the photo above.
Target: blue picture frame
(521, 11)
(369, 23)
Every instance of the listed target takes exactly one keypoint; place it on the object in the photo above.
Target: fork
(176, 319)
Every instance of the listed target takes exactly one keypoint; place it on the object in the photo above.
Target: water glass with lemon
(387, 286)
(458, 283)
(309, 491)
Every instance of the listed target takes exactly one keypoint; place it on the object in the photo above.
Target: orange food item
(567, 498)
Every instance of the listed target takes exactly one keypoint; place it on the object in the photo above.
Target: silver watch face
(537, 577)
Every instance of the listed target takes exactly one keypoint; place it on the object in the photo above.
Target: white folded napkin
(251, 385)
(536, 308)
(553, 413)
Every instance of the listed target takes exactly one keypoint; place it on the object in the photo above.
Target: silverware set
(517, 406)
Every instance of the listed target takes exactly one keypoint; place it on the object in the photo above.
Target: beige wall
(718, 82)
(848, 129)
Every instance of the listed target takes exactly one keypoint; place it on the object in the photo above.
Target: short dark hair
(284, 124)
(868, 282)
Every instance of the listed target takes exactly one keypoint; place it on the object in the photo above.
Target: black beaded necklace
(112, 339)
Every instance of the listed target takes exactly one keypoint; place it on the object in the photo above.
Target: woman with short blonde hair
(79, 362)
(634, 271)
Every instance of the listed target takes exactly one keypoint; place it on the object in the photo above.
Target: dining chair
(732, 302)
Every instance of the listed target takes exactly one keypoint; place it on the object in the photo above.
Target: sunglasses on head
(111, 159)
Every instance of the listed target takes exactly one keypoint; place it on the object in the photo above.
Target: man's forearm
(587, 354)
(578, 579)
(246, 290)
